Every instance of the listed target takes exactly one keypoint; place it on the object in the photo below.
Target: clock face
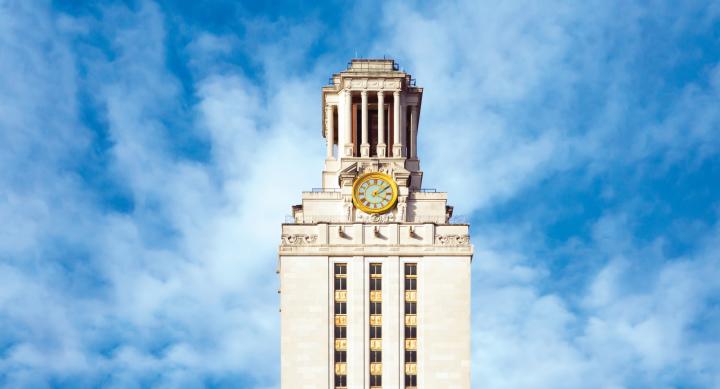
(374, 192)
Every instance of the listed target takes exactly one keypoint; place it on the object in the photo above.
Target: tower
(374, 276)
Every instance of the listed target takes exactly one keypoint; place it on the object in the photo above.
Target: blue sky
(150, 150)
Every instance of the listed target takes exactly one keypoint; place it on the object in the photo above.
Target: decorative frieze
(452, 240)
(298, 239)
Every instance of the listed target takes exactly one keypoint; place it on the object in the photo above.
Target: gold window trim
(341, 368)
(411, 295)
(411, 344)
(341, 296)
(411, 320)
(341, 344)
(411, 368)
(341, 320)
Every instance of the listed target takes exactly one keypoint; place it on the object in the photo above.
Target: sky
(150, 150)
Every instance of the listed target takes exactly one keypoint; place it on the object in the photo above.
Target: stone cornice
(371, 250)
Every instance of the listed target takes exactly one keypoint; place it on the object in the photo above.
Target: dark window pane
(340, 380)
(340, 268)
(340, 308)
(410, 269)
(410, 308)
(410, 284)
(340, 332)
(411, 332)
(410, 356)
(410, 380)
(340, 356)
(340, 283)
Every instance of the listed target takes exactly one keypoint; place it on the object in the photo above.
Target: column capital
(363, 93)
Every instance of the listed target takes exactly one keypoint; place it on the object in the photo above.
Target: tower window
(410, 356)
(410, 381)
(340, 283)
(410, 283)
(410, 269)
(341, 356)
(410, 332)
(340, 381)
(340, 308)
(340, 269)
(340, 332)
(410, 308)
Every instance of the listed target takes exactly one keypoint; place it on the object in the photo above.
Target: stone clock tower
(374, 275)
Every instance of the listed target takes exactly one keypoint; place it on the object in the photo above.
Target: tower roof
(366, 65)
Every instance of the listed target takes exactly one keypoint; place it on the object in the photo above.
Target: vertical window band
(410, 270)
(375, 325)
(340, 312)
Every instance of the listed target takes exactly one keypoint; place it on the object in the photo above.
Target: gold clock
(374, 192)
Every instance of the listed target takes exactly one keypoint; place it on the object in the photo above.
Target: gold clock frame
(364, 177)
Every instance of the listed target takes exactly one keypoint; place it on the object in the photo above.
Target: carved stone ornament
(348, 207)
(385, 218)
(401, 209)
(452, 240)
(298, 239)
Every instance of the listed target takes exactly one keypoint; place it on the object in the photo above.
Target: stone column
(381, 124)
(397, 141)
(348, 124)
(329, 130)
(413, 131)
(365, 145)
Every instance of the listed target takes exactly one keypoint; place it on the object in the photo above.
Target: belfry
(374, 274)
